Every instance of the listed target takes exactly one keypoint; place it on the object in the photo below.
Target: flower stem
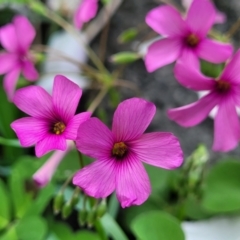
(233, 29)
(81, 159)
(10, 142)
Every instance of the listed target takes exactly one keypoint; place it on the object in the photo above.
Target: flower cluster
(119, 153)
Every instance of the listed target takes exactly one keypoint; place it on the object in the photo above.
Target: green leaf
(157, 225)
(112, 228)
(125, 57)
(10, 234)
(40, 203)
(127, 35)
(85, 235)
(211, 69)
(5, 215)
(10, 142)
(222, 191)
(31, 227)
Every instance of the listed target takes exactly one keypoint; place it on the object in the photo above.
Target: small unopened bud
(82, 217)
(75, 198)
(127, 35)
(91, 217)
(124, 57)
(101, 208)
(58, 202)
(66, 210)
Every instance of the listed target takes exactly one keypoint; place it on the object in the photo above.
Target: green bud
(82, 217)
(66, 210)
(101, 208)
(58, 202)
(127, 35)
(125, 57)
(75, 198)
(91, 217)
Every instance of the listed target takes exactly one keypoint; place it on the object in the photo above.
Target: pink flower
(16, 38)
(184, 38)
(224, 92)
(44, 174)
(119, 153)
(85, 12)
(52, 119)
(220, 17)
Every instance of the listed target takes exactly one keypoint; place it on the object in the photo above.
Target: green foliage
(5, 206)
(128, 35)
(125, 57)
(157, 225)
(31, 227)
(222, 191)
(211, 69)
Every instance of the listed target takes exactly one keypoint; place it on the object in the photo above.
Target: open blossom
(52, 118)
(184, 38)
(16, 38)
(85, 12)
(119, 153)
(224, 92)
(220, 17)
(44, 174)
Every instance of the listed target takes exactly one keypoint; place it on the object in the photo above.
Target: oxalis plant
(95, 169)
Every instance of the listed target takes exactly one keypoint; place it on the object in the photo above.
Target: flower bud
(82, 217)
(91, 217)
(58, 202)
(101, 208)
(66, 210)
(124, 57)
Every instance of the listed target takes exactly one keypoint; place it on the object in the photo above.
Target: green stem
(10, 142)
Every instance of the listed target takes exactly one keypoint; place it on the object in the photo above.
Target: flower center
(222, 86)
(192, 40)
(119, 150)
(58, 128)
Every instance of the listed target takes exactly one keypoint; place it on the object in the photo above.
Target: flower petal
(29, 71)
(50, 142)
(9, 38)
(8, 62)
(10, 81)
(73, 125)
(162, 52)
(133, 185)
(29, 130)
(34, 101)
(22, 25)
(201, 16)
(167, 21)
(44, 174)
(66, 96)
(132, 118)
(189, 57)
(158, 149)
(97, 179)
(226, 128)
(85, 12)
(192, 114)
(191, 77)
(94, 139)
(231, 71)
(213, 51)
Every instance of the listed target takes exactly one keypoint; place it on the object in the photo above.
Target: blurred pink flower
(85, 12)
(119, 153)
(184, 38)
(52, 119)
(220, 17)
(224, 92)
(44, 174)
(16, 38)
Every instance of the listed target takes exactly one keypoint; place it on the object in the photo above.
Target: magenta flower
(224, 92)
(52, 119)
(119, 153)
(184, 38)
(85, 12)
(44, 174)
(16, 38)
(220, 17)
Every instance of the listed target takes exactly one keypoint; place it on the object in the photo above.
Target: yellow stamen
(58, 128)
(119, 149)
